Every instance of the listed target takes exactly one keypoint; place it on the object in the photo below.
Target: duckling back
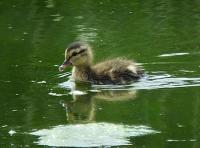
(116, 71)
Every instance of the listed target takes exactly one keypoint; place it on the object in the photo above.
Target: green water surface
(163, 36)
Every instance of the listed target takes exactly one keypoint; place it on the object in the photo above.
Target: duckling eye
(74, 54)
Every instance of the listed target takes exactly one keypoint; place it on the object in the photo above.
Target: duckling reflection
(82, 110)
(83, 107)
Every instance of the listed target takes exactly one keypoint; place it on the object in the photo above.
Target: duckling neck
(81, 73)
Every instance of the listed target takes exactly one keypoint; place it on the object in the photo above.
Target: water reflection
(87, 34)
(83, 107)
(88, 135)
(173, 54)
(82, 125)
(57, 17)
(50, 4)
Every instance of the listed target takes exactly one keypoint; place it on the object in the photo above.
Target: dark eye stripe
(76, 53)
(81, 51)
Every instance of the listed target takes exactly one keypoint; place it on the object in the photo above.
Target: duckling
(114, 71)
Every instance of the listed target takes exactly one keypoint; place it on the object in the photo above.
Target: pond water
(41, 107)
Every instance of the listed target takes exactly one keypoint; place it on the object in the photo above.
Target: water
(110, 135)
(41, 107)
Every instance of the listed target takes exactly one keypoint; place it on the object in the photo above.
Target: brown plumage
(114, 71)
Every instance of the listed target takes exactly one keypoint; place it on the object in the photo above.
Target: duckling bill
(114, 71)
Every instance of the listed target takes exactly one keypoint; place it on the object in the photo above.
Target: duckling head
(77, 54)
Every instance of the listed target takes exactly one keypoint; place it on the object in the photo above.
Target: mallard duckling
(114, 71)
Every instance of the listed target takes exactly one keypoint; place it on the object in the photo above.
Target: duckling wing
(117, 71)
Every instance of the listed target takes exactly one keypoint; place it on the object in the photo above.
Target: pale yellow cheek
(78, 60)
(82, 60)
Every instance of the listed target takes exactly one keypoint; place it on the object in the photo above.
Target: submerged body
(115, 71)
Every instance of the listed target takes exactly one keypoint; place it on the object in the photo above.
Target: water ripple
(173, 54)
(154, 82)
(86, 33)
(148, 82)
